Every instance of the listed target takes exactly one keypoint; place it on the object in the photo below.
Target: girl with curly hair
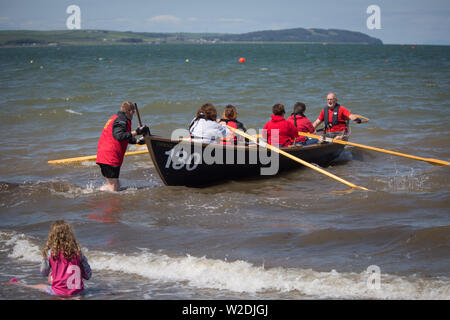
(63, 263)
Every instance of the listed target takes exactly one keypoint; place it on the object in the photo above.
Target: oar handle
(138, 115)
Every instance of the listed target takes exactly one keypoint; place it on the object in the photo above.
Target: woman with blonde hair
(63, 263)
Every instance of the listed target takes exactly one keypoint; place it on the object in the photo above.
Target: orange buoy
(241, 60)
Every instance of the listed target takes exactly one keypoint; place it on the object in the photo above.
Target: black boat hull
(183, 163)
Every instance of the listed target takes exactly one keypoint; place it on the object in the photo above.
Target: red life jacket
(109, 150)
(231, 139)
(339, 121)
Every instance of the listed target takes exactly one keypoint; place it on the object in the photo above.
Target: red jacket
(343, 116)
(287, 132)
(303, 125)
(110, 150)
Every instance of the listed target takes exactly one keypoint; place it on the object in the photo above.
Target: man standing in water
(335, 118)
(113, 144)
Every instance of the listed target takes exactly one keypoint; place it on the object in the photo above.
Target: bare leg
(16, 282)
(41, 287)
(112, 184)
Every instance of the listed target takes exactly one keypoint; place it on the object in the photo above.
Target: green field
(92, 37)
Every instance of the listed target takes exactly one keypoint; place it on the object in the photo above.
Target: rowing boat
(193, 164)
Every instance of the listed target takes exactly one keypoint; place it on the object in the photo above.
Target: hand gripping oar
(429, 160)
(307, 164)
(140, 123)
(363, 119)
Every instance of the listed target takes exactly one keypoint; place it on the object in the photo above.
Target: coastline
(178, 43)
(215, 43)
(34, 38)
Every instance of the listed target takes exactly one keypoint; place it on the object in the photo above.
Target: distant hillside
(302, 35)
(98, 37)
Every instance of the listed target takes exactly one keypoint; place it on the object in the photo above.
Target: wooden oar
(139, 116)
(307, 164)
(429, 160)
(89, 158)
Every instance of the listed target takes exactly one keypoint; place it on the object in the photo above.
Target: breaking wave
(242, 276)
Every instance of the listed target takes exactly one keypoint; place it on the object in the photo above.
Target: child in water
(63, 263)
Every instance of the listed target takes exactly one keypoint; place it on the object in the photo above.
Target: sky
(401, 21)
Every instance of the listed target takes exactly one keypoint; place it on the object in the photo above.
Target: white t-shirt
(207, 131)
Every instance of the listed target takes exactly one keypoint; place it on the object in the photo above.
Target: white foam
(20, 247)
(410, 182)
(64, 188)
(241, 276)
(73, 192)
(74, 112)
(88, 163)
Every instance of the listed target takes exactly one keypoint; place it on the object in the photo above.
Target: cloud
(121, 20)
(164, 19)
(233, 20)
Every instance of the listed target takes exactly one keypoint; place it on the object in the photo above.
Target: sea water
(298, 235)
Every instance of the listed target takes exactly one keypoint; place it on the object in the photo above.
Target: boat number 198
(181, 158)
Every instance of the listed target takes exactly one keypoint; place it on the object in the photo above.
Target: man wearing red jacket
(114, 139)
(278, 126)
(335, 118)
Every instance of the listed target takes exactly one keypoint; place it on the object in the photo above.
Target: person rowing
(278, 131)
(335, 118)
(229, 117)
(205, 128)
(302, 123)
